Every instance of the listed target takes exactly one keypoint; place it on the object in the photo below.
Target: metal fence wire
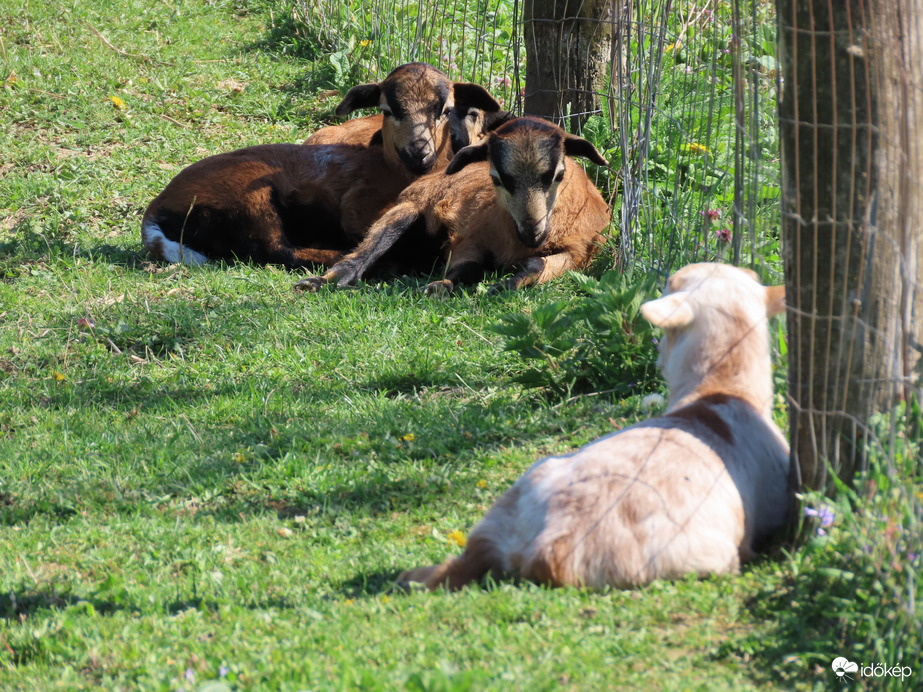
(681, 101)
(682, 98)
(784, 141)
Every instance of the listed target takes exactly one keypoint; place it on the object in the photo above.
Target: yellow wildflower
(365, 44)
(458, 538)
(482, 484)
(118, 103)
(695, 148)
(58, 376)
(409, 437)
(238, 457)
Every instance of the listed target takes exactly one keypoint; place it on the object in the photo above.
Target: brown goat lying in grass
(467, 123)
(515, 199)
(689, 492)
(299, 205)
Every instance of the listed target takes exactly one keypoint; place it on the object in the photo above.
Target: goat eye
(559, 176)
(549, 178)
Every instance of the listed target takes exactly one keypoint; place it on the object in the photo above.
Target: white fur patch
(163, 248)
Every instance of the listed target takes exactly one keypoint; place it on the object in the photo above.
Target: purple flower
(222, 671)
(711, 215)
(190, 675)
(824, 515)
(723, 235)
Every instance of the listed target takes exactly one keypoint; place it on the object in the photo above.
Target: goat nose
(532, 232)
(418, 159)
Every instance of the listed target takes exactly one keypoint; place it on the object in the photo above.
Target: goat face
(416, 100)
(475, 114)
(527, 165)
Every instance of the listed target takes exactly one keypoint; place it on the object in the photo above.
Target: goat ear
(578, 146)
(674, 310)
(377, 139)
(474, 96)
(494, 120)
(470, 154)
(360, 96)
(775, 300)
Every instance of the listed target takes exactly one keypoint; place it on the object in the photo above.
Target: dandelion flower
(118, 103)
(58, 376)
(458, 538)
(365, 44)
(482, 485)
(409, 437)
(652, 401)
(695, 148)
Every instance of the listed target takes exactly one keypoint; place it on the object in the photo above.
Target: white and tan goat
(688, 492)
(513, 200)
(300, 205)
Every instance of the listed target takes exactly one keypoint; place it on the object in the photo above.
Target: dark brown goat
(298, 205)
(541, 216)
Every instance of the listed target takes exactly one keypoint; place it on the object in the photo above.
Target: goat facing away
(688, 492)
(301, 205)
(513, 200)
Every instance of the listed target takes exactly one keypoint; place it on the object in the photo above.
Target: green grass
(206, 477)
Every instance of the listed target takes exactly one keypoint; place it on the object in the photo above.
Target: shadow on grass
(19, 605)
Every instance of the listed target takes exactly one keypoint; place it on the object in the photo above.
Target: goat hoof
(312, 284)
(439, 289)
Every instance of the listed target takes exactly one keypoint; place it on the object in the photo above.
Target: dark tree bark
(567, 56)
(852, 170)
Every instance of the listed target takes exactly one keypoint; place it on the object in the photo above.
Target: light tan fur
(684, 493)
(550, 223)
(300, 206)
(363, 131)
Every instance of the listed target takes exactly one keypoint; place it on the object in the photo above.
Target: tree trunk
(852, 169)
(567, 55)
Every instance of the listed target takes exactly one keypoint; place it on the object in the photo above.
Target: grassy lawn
(206, 477)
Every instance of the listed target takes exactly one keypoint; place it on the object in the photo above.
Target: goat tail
(162, 248)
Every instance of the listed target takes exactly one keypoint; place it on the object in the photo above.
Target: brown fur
(362, 131)
(685, 493)
(301, 206)
(475, 224)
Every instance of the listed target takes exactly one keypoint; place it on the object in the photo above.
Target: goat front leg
(464, 271)
(382, 236)
(537, 270)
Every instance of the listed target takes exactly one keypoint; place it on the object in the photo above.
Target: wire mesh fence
(680, 101)
(683, 99)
